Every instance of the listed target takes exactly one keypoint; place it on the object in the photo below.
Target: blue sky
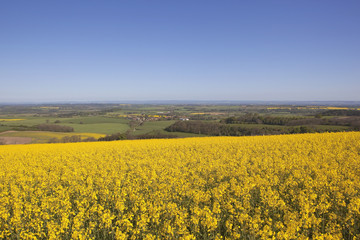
(179, 50)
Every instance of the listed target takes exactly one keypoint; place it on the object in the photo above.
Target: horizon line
(289, 102)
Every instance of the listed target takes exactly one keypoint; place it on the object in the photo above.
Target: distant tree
(54, 128)
(71, 139)
(89, 139)
(74, 138)
(153, 135)
(54, 140)
(341, 113)
(305, 129)
(113, 137)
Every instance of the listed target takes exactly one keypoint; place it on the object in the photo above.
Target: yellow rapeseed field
(10, 119)
(280, 187)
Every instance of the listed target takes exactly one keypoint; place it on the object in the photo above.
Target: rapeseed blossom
(280, 187)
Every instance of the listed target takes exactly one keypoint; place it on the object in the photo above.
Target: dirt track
(15, 140)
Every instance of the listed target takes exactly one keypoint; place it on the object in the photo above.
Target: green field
(152, 126)
(44, 137)
(4, 128)
(105, 128)
(95, 124)
(31, 121)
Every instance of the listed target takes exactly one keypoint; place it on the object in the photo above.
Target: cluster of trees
(111, 137)
(341, 113)
(152, 135)
(254, 118)
(54, 128)
(129, 136)
(114, 137)
(221, 129)
(259, 119)
(351, 121)
(42, 127)
(23, 128)
(72, 139)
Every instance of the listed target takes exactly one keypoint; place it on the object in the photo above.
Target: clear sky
(92, 50)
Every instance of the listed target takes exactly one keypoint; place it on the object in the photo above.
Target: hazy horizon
(113, 51)
(355, 104)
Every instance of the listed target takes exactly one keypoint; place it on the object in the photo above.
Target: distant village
(159, 116)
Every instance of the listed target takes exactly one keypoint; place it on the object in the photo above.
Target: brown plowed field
(15, 140)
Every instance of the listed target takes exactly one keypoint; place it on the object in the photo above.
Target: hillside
(285, 187)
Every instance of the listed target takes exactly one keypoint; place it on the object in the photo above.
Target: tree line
(254, 118)
(129, 136)
(72, 139)
(341, 113)
(221, 129)
(54, 128)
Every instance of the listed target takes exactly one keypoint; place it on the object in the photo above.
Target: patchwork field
(144, 121)
(41, 136)
(93, 124)
(303, 186)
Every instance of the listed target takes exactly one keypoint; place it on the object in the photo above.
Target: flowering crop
(281, 187)
(10, 119)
